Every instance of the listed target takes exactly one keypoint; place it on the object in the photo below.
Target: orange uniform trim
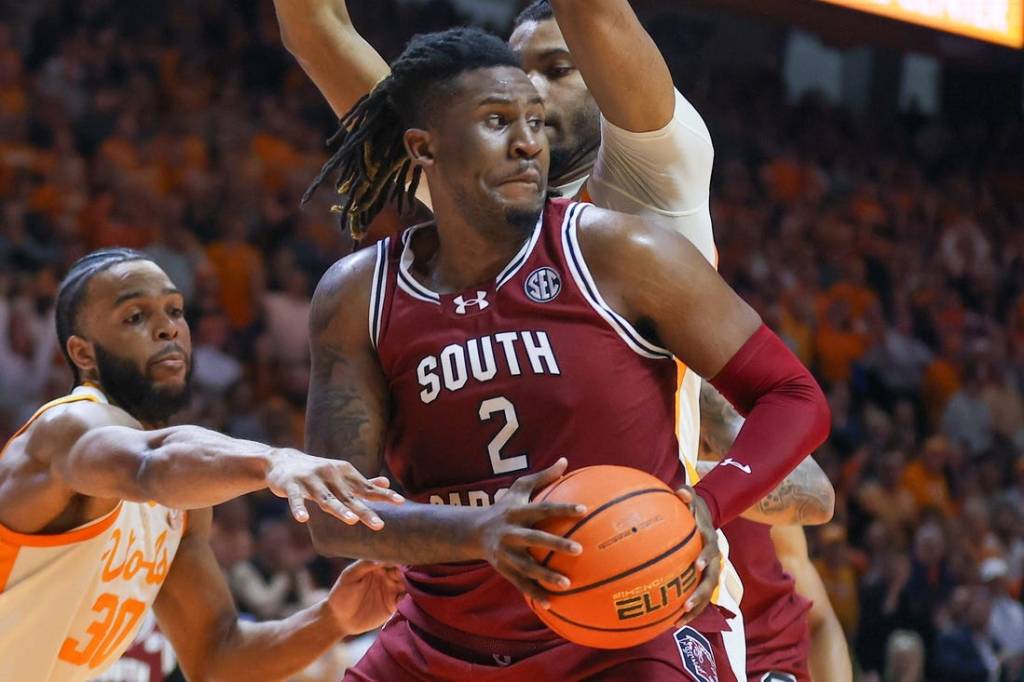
(86, 532)
(691, 471)
(12, 541)
(8, 555)
(38, 413)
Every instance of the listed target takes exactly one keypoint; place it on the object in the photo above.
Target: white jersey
(71, 603)
(666, 173)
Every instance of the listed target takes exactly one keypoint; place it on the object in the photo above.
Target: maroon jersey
(493, 383)
(774, 615)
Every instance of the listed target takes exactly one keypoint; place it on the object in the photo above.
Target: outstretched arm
(196, 611)
(99, 451)
(830, 657)
(347, 417)
(339, 61)
(804, 498)
(320, 34)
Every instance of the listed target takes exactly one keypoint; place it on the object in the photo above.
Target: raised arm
(196, 611)
(657, 280)
(619, 61)
(656, 152)
(347, 416)
(321, 37)
(804, 498)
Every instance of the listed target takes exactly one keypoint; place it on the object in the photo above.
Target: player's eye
(497, 121)
(556, 71)
(134, 318)
(177, 313)
(537, 123)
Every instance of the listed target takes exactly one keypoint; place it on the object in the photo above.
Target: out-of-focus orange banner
(996, 21)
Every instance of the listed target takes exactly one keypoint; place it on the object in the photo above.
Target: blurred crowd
(889, 253)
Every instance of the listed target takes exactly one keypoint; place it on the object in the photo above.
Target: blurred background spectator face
(929, 545)
(904, 657)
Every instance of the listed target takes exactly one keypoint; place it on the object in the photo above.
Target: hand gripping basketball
(506, 533)
(709, 562)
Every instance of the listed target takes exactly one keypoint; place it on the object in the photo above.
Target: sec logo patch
(543, 285)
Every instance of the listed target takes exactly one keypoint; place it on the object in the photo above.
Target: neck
(468, 257)
(147, 425)
(472, 250)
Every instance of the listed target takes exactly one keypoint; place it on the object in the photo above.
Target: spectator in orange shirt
(240, 272)
(839, 576)
(942, 377)
(884, 497)
(839, 344)
(925, 477)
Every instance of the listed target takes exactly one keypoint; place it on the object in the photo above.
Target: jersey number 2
(502, 465)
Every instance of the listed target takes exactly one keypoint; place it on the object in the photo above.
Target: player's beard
(522, 219)
(135, 392)
(576, 152)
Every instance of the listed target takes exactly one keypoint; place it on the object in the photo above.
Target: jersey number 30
(502, 465)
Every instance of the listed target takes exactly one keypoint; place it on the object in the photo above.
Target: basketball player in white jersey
(105, 511)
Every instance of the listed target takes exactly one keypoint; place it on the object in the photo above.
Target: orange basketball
(637, 569)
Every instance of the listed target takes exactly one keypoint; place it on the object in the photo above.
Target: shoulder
(343, 293)
(58, 429)
(619, 242)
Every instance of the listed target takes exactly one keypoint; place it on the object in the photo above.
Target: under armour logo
(729, 461)
(461, 304)
(502, 660)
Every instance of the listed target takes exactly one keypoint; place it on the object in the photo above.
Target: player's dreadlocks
(371, 160)
(71, 294)
(540, 10)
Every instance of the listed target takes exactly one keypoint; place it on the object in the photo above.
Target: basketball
(637, 569)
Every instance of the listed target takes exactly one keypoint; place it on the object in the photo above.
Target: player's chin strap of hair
(787, 417)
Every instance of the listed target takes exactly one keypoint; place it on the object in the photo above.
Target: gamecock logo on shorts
(698, 658)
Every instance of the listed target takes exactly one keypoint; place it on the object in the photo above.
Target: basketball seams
(639, 567)
(604, 507)
(554, 486)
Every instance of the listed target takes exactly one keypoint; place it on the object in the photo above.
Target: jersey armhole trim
(585, 282)
(378, 290)
(86, 532)
(38, 413)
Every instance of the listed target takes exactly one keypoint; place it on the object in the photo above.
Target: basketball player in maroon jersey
(505, 334)
(611, 104)
(777, 614)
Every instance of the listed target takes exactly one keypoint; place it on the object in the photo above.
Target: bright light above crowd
(997, 21)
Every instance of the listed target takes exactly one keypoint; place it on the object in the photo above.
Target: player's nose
(165, 328)
(527, 142)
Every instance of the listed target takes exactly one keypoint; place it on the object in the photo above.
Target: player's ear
(82, 353)
(419, 145)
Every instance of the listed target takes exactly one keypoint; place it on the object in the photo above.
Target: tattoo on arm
(719, 421)
(805, 497)
(344, 420)
(346, 410)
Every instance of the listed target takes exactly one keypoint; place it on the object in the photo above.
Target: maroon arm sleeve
(787, 417)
